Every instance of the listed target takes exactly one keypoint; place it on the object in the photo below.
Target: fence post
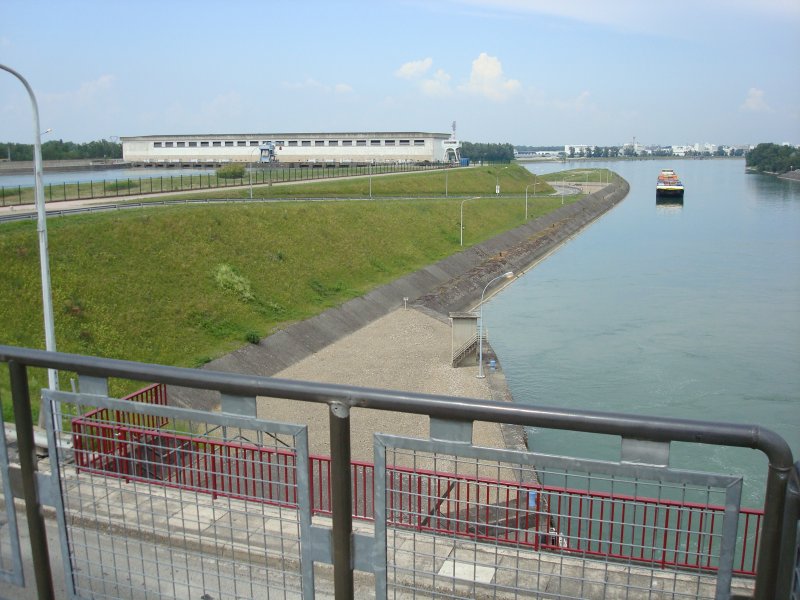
(27, 460)
(341, 501)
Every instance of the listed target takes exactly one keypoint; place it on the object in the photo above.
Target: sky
(525, 72)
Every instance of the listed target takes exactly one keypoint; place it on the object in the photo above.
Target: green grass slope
(181, 285)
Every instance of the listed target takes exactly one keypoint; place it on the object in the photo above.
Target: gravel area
(405, 350)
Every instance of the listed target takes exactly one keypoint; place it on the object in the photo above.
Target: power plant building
(291, 149)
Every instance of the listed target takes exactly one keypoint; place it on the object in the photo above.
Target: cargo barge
(668, 184)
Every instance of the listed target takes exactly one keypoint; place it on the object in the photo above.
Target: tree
(61, 150)
(487, 152)
(772, 158)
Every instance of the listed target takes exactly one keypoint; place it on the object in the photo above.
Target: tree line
(61, 150)
(773, 158)
(487, 152)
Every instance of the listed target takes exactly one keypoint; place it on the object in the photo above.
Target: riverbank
(375, 342)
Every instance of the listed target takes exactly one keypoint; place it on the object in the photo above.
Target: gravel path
(405, 350)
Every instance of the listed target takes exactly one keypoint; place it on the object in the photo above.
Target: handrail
(341, 398)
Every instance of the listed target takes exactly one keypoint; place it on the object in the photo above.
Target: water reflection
(669, 205)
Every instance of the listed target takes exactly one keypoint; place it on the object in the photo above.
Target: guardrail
(415, 500)
(142, 186)
(590, 523)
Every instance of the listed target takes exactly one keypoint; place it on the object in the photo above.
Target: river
(688, 311)
(12, 180)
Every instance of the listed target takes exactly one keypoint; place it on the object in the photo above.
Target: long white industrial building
(348, 148)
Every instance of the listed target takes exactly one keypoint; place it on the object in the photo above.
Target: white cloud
(221, 106)
(342, 88)
(582, 102)
(639, 15)
(414, 68)
(86, 93)
(754, 102)
(438, 85)
(487, 79)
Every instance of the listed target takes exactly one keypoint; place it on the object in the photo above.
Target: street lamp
(526, 195)
(497, 182)
(507, 275)
(41, 219)
(462, 219)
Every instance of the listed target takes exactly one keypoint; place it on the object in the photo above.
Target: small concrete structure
(464, 338)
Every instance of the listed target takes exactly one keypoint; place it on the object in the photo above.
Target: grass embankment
(181, 285)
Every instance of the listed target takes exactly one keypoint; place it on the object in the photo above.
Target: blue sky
(536, 72)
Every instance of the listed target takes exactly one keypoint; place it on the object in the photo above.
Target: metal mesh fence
(169, 503)
(485, 525)
(10, 559)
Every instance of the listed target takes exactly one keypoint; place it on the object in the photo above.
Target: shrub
(231, 281)
(231, 171)
(252, 337)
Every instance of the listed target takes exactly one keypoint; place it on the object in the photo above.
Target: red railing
(658, 532)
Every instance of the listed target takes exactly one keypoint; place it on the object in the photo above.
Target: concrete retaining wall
(452, 284)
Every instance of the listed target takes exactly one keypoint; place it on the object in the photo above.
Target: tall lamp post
(41, 219)
(506, 275)
(526, 195)
(462, 219)
(497, 182)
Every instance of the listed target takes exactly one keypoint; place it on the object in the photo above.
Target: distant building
(313, 149)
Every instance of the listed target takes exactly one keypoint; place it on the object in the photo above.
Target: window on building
(278, 143)
(228, 144)
(419, 142)
(305, 143)
(292, 143)
(361, 142)
(333, 142)
(347, 142)
(156, 144)
(180, 144)
(192, 144)
(319, 142)
(204, 144)
(168, 144)
(374, 142)
(405, 142)
(254, 142)
(217, 144)
(240, 143)
(388, 142)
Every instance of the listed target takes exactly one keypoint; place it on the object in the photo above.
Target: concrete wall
(453, 284)
(353, 147)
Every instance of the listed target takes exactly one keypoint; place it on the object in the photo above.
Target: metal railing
(133, 447)
(412, 482)
(142, 186)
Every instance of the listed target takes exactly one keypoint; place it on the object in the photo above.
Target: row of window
(290, 143)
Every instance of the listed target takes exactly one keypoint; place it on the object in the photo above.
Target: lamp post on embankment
(526, 195)
(506, 275)
(462, 219)
(41, 219)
